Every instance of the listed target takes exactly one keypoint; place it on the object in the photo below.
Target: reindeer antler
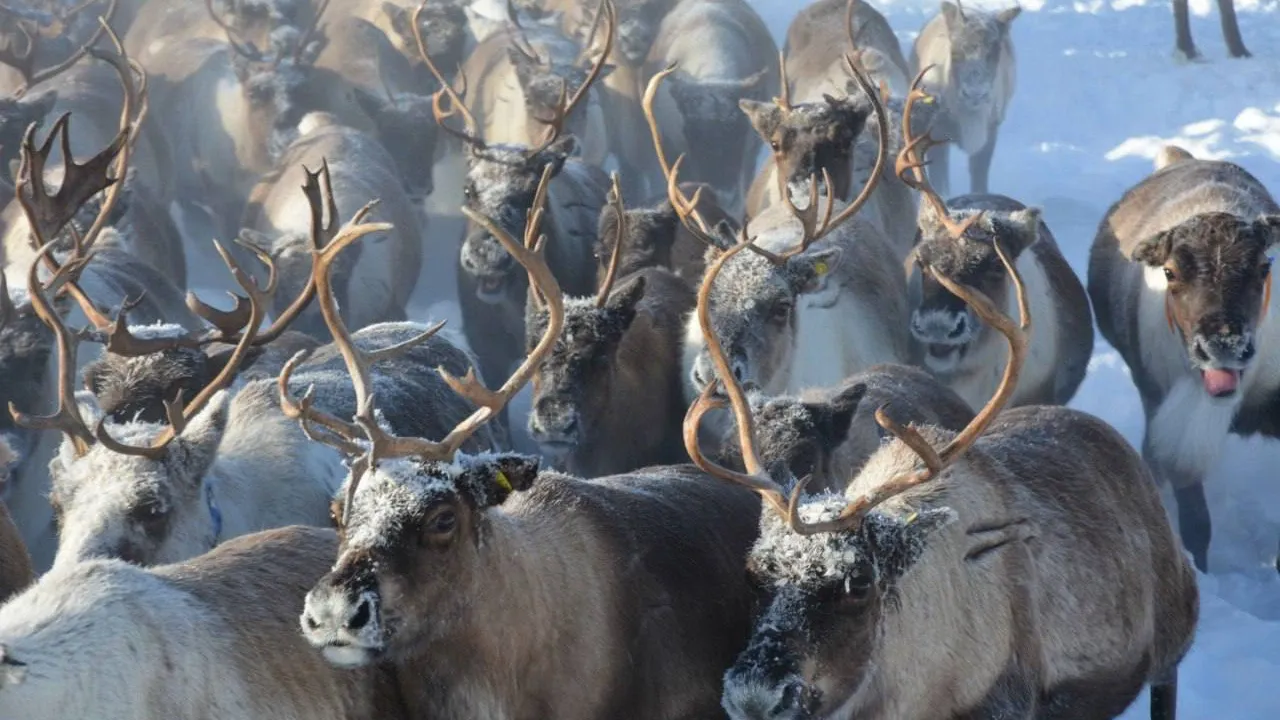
(67, 417)
(935, 461)
(470, 133)
(247, 50)
(259, 298)
(352, 438)
(565, 107)
(615, 199)
(910, 159)
(24, 62)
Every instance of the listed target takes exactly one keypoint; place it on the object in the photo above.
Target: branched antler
(365, 436)
(565, 106)
(470, 132)
(619, 209)
(24, 62)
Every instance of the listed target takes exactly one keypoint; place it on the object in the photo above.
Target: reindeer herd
(802, 449)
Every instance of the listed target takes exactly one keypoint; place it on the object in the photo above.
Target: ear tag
(503, 482)
(821, 268)
(912, 518)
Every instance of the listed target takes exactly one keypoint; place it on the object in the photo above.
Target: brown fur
(611, 394)
(656, 238)
(15, 563)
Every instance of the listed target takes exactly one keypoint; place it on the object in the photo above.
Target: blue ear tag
(214, 513)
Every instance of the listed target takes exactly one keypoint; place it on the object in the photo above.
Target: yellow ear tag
(820, 267)
(503, 482)
(912, 517)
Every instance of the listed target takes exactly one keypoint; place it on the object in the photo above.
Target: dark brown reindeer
(958, 239)
(934, 586)
(609, 396)
(1230, 30)
(1180, 279)
(629, 588)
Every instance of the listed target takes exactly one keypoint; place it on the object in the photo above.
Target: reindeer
(959, 239)
(822, 297)
(820, 124)
(724, 55)
(15, 563)
(228, 109)
(433, 539)
(215, 635)
(447, 27)
(1230, 30)
(937, 591)
(1180, 278)
(503, 182)
(823, 26)
(160, 24)
(608, 397)
(376, 284)
(973, 72)
(653, 236)
(830, 433)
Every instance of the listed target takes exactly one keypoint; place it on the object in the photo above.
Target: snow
(1099, 92)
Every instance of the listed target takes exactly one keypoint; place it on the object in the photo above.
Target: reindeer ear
(765, 117)
(1025, 225)
(896, 543)
(950, 14)
(1270, 224)
(1008, 15)
(621, 306)
(494, 478)
(204, 432)
(1155, 250)
(811, 272)
(370, 104)
(835, 417)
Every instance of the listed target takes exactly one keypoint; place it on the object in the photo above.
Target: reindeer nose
(961, 327)
(361, 616)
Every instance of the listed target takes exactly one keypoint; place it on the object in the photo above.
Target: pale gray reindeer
(972, 76)
(653, 236)
(375, 283)
(933, 587)
(829, 433)
(816, 39)
(723, 55)
(228, 108)
(1230, 30)
(609, 396)
(959, 239)
(437, 542)
(216, 635)
(504, 182)
(822, 296)
(1180, 278)
(158, 24)
(117, 277)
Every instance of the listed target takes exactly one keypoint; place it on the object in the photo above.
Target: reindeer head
(711, 121)
(414, 517)
(809, 139)
(977, 40)
(1216, 273)
(638, 23)
(404, 124)
(942, 322)
(26, 346)
(442, 23)
(801, 435)
(638, 238)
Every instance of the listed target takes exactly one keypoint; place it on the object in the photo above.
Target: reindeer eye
(857, 587)
(469, 191)
(443, 523)
(775, 145)
(780, 313)
(1170, 274)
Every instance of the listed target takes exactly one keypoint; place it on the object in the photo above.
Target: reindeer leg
(980, 164)
(1193, 522)
(1182, 27)
(1164, 697)
(1231, 29)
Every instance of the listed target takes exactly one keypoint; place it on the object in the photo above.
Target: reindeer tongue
(1220, 383)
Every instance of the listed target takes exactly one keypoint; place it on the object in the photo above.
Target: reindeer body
(1222, 218)
(724, 53)
(818, 39)
(216, 636)
(973, 78)
(967, 356)
(610, 397)
(377, 283)
(850, 311)
(1028, 582)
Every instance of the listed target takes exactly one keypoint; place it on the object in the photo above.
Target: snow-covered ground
(1099, 91)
